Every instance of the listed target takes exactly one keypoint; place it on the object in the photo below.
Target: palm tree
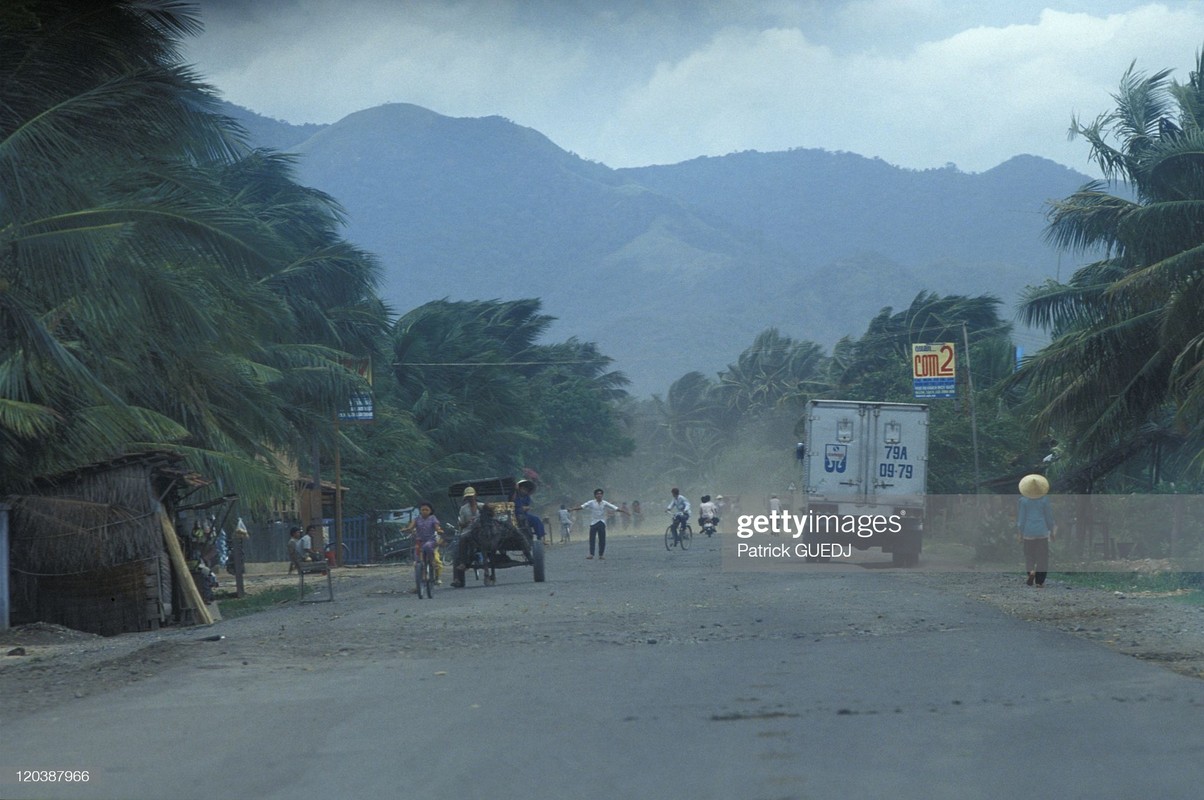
(774, 371)
(94, 110)
(160, 284)
(875, 365)
(491, 398)
(1128, 328)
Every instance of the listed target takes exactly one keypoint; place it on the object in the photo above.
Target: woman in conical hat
(1034, 486)
(1035, 527)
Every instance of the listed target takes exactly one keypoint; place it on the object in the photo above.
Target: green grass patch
(232, 606)
(1189, 586)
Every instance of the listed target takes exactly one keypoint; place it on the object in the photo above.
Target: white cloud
(916, 82)
(975, 98)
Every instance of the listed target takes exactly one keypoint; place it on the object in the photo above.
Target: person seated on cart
(522, 507)
(470, 515)
(470, 509)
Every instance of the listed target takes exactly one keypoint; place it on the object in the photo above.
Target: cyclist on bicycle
(427, 530)
(679, 506)
(708, 512)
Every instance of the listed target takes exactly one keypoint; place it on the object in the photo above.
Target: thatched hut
(89, 550)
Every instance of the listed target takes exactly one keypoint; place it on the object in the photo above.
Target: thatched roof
(98, 516)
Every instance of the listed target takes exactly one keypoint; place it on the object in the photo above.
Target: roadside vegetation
(1183, 587)
(255, 601)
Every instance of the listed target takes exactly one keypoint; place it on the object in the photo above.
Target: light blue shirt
(1034, 517)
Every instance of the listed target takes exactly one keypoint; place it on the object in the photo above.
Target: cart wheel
(537, 560)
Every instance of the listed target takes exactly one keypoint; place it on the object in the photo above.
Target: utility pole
(973, 412)
(338, 497)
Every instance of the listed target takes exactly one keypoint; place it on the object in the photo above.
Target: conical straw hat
(1034, 486)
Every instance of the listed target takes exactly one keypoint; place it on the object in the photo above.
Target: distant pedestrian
(598, 510)
(294, 537)
(626, 515)
(1035, 527)
(566, 523)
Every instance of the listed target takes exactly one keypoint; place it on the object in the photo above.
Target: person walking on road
(566, 523)
(598, 510)
(1035, 527)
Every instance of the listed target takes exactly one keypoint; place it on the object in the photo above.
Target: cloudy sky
(918, 83)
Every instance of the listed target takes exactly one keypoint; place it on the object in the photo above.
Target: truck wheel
(537, 560)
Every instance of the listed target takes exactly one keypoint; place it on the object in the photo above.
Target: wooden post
(239, 564)
(3, 567)
(192, 596)
(338, 498)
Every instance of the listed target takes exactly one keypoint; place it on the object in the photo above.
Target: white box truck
(865, 471)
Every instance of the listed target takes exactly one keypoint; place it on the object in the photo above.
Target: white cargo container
(866, 464)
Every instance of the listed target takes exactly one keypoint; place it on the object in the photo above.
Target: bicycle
(683, 537)
(424, 571)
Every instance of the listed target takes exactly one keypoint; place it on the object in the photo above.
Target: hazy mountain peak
(677, 267)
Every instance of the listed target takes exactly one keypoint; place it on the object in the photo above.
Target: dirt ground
(44, 665)
(1152, 626)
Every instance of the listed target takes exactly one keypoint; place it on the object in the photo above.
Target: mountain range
(669, 268)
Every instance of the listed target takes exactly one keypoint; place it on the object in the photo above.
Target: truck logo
(836, 457)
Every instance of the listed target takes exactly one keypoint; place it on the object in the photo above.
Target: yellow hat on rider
(469, 492)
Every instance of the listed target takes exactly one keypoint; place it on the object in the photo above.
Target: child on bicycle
(427, 530)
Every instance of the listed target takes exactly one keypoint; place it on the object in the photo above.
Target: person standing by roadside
(566, 523)
(1035, 527)
(598, 510)
(294, 538)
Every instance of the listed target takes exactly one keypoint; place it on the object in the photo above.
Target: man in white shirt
(305, 546)
(680, 507)
(597, 509)
(708, 511)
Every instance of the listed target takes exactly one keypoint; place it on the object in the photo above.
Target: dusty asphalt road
(649, 674)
